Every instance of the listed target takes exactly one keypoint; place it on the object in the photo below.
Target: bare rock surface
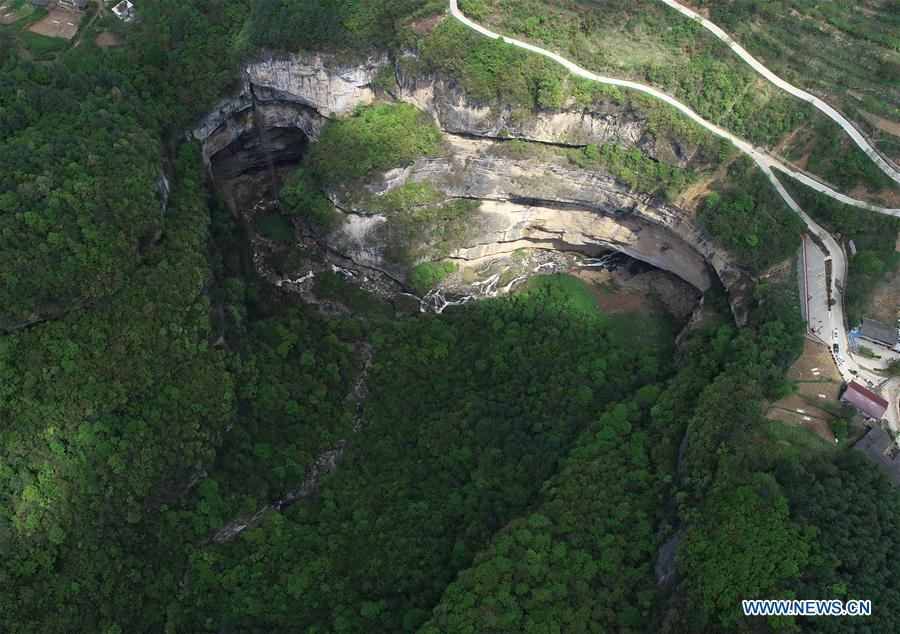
(525, 203)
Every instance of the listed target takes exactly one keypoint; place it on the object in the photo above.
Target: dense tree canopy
(510, 465)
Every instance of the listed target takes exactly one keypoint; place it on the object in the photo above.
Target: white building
(124, 10)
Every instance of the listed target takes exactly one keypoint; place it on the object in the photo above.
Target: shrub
(425, 276)
(841, 428)
(375, 138)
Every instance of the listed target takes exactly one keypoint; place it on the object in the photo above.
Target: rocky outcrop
(531, 204)
(525, 203)
(304, 91)
(294, 97)
(456, 113)
(317, 82)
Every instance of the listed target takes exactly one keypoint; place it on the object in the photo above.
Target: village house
(879, 445)
(124, 10)
(865, 400)
(880, 333)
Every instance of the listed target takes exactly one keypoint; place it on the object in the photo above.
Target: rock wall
(309, 90)
(456, 113)
(297, 92)
(524, 202)
(527, 203)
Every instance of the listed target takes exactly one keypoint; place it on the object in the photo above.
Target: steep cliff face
(304, 91)
(525, 203)
(458, 114)
(296, 93)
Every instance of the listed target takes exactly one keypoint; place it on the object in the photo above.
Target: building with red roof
(865, 400)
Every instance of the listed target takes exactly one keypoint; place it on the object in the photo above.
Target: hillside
(340, 317)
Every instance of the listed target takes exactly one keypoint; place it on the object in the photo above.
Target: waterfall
(435, 301)
(265, 143)
(163, 188)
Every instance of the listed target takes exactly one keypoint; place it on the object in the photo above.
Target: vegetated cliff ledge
(524, 203)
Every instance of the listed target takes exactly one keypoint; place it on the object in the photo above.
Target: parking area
(60, 22)
(816, 291)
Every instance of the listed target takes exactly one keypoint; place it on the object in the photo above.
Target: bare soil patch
(788, 140)
(7, 15)
(60, 22)
(815, 364)
(887, 197)
(424, 27)
(800, 405)
(891, 127)
(818, 426)
(620, 302)
(631, 293)
(818, 387)
(691, 198)
(106, 39)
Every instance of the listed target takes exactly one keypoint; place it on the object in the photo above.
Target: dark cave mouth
(284, 147)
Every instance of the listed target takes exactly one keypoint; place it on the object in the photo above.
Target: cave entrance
(249, 171)
(249, 152)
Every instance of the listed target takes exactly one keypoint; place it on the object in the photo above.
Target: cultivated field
(7, 14)
(60, 22)
(818, 387)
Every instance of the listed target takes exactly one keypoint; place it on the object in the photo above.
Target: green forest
(515, 464)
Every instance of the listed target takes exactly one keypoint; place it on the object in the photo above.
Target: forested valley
(515, 464)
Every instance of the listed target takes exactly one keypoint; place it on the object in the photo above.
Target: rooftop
(879, 445)
(123, 8)
(877, 331)
(865, 400)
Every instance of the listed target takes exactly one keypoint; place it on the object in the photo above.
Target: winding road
(766, 163)
(832, 114)
(762, 158)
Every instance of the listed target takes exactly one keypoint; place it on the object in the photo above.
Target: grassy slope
(822, 45)
(647, 41)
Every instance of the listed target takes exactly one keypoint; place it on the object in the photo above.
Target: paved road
(816, 290)
(833, 114)
(766, 163)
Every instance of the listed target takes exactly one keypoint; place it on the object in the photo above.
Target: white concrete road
(815, 287)
(830, 112)
(761, 157)
(766, 163)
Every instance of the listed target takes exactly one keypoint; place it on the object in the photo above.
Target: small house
(880, 333)
(124, 10)
(878, 445)
(865, 400)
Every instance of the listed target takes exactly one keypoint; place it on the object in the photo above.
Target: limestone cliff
(457, 113)
(525, 202)
(304, 91)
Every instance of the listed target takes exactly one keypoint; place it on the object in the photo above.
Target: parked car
(834, 334)
(870, 383)
(841, 360)
(836, 348)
